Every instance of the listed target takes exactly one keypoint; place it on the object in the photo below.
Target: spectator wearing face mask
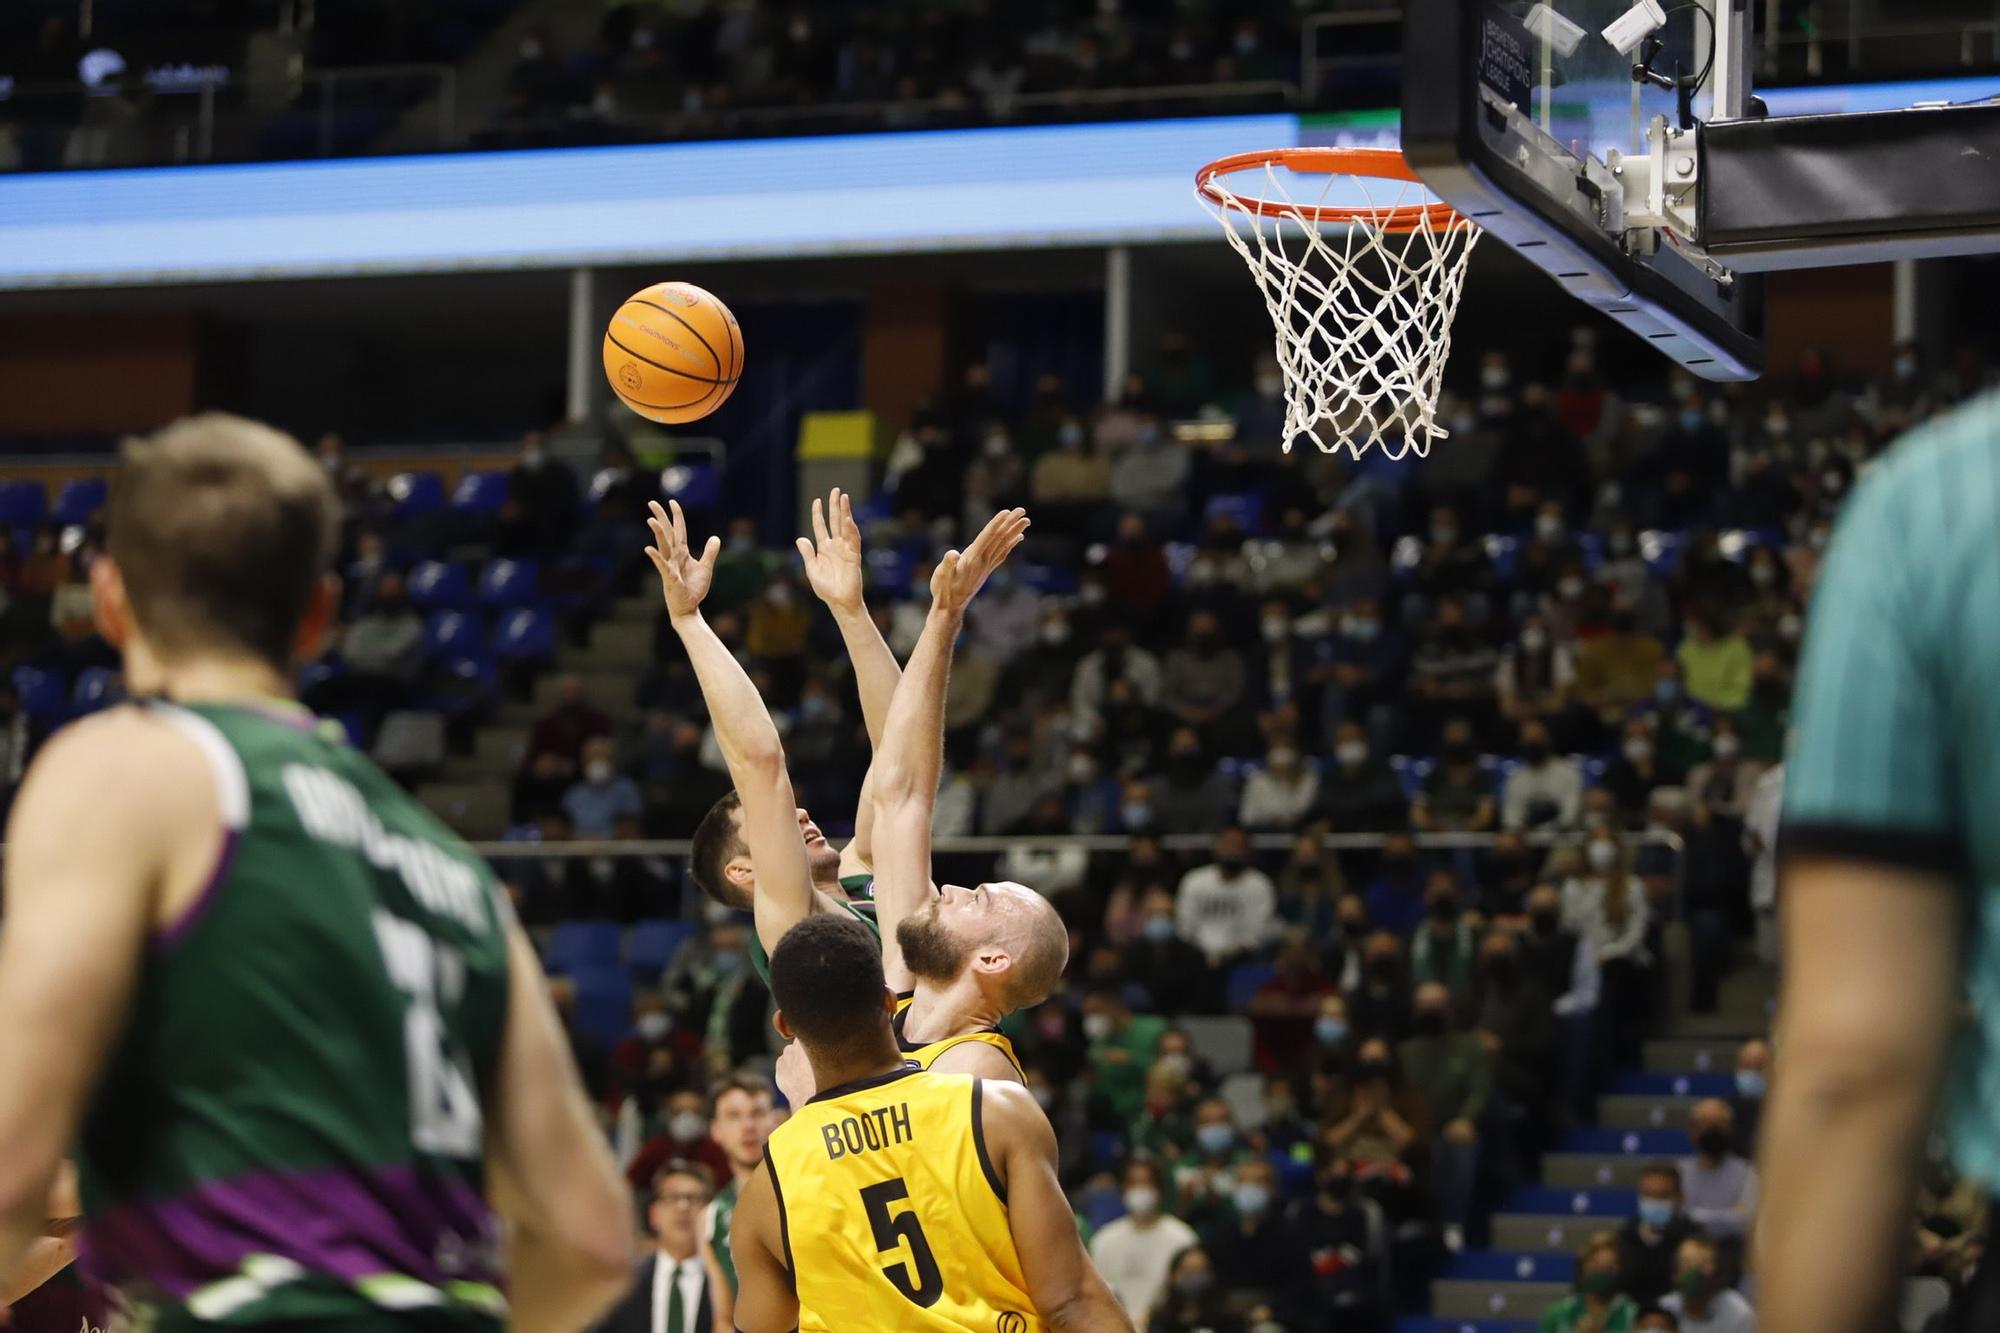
(1700, 1301)
(1122, 1048)
(1718, 1182)
(1069, 482)
(1452, 671)
(1280, 794)
(1457, 795)
(1114, 658)
(1607, 906)
(1358, 792)
(1149, 476)
(1255, 1247)
(1380, 1006)
(1565, 965)
(1535, 674)
(1310, 886)
(1359, 666)
(1380, 1124)
(1599, 1306)
(1546, 791)
(1634, 774)
(1454, 1073)
(1135, 571)
(603, 795)
(1680, 726)
(1753, 1080)
(1723, 785)
(1228, 908)
(682, 1135)
(1205, 678)
(1715, 662)
(1192, 793)
(1442, 948)
(1135, 1251)
(1172, 972)
(1205, 1179)
(1616, 671)
(1193, 1302)
(1649, 1243)
(1395, 899)
(1513, 1018)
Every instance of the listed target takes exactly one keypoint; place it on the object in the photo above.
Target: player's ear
(109, 606)
(888, 1001)
(992, 960)
(784, 1028)
(738, 870)
(321, 609)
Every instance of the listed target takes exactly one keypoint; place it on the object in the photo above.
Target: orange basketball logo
(628, 375)
(681, 294)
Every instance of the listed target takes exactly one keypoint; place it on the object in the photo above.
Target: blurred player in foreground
(899, 1199)
(284, 1015)
(1890, 885)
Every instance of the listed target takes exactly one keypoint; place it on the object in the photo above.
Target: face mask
(598, 772)
(653, 1026)
(1364, 630)
(1142, 1201)
(1158, 929)
(1093, 594)
(1191, 1285)
(532, 458)
(1055, 633)
(1214, 1139)
(1444, 534)
(1691, 419)
(1833, 483)
(1693, 1282)
(1329, 1030)
(1906, 367)
(1603, 856)
(1352, 754)
(1493, 377)
(1070, 435)
(1789, 627)
(1176, 1063)
(1136, 814)
(1251, 1198)
(1750, 1084)
(996, 446)
(1533, 639)
(1602, 1282)
(1270, 386)
(1275, 630)
(1097, 1026)
(1666, 691)
(686, 1126)
(1656, 1213)
(779, 595)
(815, 707)
(1246, 42)
(1763, 574)
(1711, 1143)
(1549, 527)
(1463, 424)
(1082, 768)
(1638, 749)
(1725, 746)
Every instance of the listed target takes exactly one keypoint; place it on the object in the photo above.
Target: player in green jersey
(305, 1056)
(1889, 853)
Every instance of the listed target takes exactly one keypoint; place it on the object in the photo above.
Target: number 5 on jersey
(918, 1279)
(444, 1109)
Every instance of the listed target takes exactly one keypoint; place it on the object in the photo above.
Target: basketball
(673, 353)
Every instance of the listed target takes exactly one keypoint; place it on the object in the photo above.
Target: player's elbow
(601, 1255)
(896, 788)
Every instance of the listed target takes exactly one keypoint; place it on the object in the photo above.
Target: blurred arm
(766, 1301)
(1069, 1293)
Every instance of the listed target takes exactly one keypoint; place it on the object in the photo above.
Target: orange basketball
(673, 353)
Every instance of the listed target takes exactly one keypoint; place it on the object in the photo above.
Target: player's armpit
(551, 1171)
(980, 1059)
(1069, 1293)
(766, 1300)
(116, 823)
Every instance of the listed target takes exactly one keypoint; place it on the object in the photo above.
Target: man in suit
(671, 1289)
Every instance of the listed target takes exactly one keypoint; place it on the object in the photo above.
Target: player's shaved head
(220, 530)
(977, 928)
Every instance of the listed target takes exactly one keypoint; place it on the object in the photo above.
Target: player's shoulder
(130, 746)
(982, 1059)
(1948, 463)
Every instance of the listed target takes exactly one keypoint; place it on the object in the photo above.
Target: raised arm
(832, 558)
(911, 756)
(743, 729)
(1069, 1293)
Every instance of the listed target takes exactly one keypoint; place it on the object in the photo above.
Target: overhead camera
(1639, 22)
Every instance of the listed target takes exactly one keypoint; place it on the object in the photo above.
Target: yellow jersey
(890, 1212)
(923, 1053)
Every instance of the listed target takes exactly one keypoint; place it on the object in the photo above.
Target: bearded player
(896, 1198)
(303, 1050)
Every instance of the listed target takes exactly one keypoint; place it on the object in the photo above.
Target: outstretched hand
(959, 575)
(684, 576)
(833, 553)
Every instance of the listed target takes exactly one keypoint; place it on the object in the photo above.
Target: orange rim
(1376, 163)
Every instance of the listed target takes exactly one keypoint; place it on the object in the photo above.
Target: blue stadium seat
(1504, 554)
(1246, 507)
(1661, 551)
(1591, 547)
(416, 494)
(454, 634)
(318, 673)
(888, 568)
(695, 485)
(1547, 1201)
(439, 585)
(96, 687)
(1690, 1084)
(479, 493)
(470, 669)
(1593, 767)
(1179, 556)
(79, 499)
(1054, 580)
(353, 726)
(23, 504)
(1410, 773)
(1244, 979)
(1628, 1142)
(525, 636)
(42, 692)
(603, 1001)
(505, 584)
(651, 945)
(1503, 770)
(1510, 1266)
(583, 944)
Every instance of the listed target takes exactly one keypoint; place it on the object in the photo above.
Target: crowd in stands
(691, 70)
(1566, 640)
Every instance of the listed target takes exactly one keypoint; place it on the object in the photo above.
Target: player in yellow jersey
(898, 1199)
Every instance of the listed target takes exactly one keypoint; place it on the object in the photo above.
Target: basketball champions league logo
(1010, 1322)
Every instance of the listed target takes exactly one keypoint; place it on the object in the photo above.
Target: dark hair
(220, 529)
(681, 1166)
(826, 976)
(740, 1080)
(717, 841)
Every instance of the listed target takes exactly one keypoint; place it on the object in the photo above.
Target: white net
(1362, 283)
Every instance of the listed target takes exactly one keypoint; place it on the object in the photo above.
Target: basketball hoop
(1362, 280)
